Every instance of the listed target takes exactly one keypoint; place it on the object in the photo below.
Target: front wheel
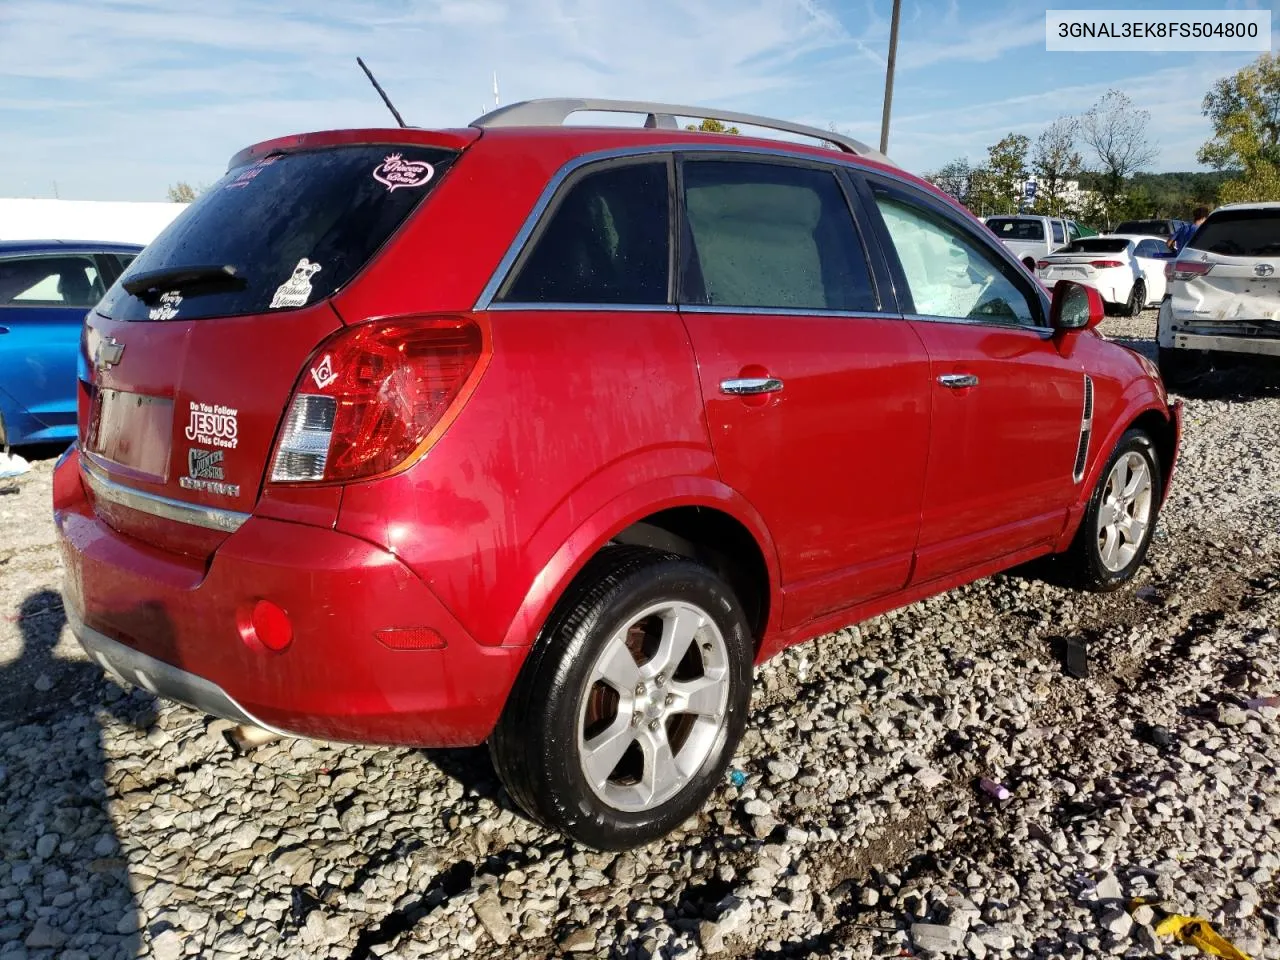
(1116, 530)
(631, 703)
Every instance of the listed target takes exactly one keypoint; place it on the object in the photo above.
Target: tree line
(1106, 150)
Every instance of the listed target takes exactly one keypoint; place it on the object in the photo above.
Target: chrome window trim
(211, 518)
(1042, 333)
(516, 247)
(586, 307)
(785, 311)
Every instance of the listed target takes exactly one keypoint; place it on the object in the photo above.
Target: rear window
(1159, 228)
(1017, 229)
(1095, 245)
(1240, 233)
(294, 228)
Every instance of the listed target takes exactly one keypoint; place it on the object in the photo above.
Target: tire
(563, 716)
(1180, 367)
(1137, 299)
(1090, 562)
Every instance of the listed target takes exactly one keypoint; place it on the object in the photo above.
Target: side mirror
(1075, 307)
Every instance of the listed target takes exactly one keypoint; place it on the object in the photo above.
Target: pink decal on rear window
(395, 171)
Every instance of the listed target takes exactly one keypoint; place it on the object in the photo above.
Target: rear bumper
(1257, 346)
(174, 626)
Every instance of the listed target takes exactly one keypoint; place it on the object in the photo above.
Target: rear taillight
(370, 398)
(1042, 264)
(1186, 269)
(1105, 264)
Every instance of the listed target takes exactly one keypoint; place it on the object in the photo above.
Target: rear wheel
(1180, 367)
(631, 703)
(1121, 516)
(1137, 298)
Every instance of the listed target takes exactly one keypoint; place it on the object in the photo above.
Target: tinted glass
(1057, 232)
(1240, 233)
(57, 281)
(295, 227)
(605, 241)
(770, 236)
(1151, 248)
(1096, 245)
(1014, 229)
(1158, 227)
(949, 274)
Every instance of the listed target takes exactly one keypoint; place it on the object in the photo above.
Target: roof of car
(1259, 205)
(67, 246)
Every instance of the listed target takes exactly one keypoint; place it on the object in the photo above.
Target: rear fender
(611, 519)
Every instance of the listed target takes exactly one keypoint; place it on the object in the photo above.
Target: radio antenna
(382, 93)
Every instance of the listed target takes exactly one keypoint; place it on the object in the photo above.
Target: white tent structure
(85, 220)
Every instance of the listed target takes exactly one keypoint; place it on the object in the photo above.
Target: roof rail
(554, 112)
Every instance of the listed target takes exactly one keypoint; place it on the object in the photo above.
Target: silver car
(1223, 291)
(1031, 238)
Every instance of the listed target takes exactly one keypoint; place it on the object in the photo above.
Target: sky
(118, 99)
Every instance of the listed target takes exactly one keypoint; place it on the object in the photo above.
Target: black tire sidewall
(1137, 298)
(574, 805)
(1097, 572)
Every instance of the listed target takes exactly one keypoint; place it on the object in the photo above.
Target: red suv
(543, 434)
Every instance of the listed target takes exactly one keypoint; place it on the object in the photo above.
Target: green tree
(1115, 131)
(182, 192)
(712, 125)
(953, 178)
(1054, 161)
(997, 188)
(1245, 111)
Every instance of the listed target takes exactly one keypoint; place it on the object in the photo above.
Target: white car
(1224, 291)
(1127, 269)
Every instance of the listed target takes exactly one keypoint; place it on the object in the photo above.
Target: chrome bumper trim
(160, 678)
(228, 521)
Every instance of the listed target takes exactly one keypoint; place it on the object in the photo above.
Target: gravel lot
(130, 828)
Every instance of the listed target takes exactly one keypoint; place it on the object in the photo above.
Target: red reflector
(411, 638)
(1105, 264)
(269, 625)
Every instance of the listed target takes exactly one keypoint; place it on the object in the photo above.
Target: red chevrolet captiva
(543, 434)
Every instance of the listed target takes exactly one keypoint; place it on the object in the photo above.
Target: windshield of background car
(1009, 229)
(1240, 233)
(1095, 245)
(294, 227)
(1159, 228)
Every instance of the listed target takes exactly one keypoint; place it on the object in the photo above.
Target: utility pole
(888, 77)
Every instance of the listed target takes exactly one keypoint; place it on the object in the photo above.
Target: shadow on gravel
(58, 844)
(473, 770)
(1238, 383)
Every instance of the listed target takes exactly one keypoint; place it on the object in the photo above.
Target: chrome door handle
(750, 386)
(958, 381)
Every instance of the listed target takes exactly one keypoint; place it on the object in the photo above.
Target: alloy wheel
(1124, 515)
(653, 706)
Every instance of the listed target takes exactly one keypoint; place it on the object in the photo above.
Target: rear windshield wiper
(147, 286)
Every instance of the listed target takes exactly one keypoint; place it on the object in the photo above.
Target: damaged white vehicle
(1223, 292)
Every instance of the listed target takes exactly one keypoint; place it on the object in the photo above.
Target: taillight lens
(1105, 264)
(1186, 269)
(1042, 264)
(372, 395)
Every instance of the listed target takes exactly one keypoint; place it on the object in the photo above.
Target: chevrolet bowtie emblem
(108, 353)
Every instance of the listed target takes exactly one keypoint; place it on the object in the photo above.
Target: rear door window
(770, 236)
(1240, 233)
(50, 281)
(293, 228)
(1010, 228)
(1057, 231)
(606, 240)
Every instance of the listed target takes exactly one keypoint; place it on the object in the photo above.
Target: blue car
(46, 288)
